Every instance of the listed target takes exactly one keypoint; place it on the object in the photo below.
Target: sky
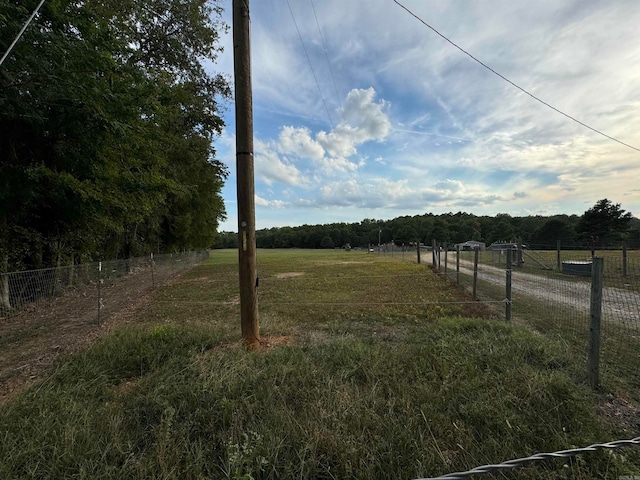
(361, 111)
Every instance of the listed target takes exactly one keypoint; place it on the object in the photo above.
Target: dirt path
(618, 304)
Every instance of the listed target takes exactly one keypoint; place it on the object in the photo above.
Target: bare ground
(32, 340)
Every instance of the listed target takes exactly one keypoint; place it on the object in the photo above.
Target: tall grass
(375, 393)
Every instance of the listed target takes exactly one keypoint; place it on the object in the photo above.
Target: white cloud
(262, 202)
(298, 141)
(401, 194)
(328, 154)
(270, 168)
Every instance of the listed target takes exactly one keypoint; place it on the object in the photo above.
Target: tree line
(606, 224)
(107, 116)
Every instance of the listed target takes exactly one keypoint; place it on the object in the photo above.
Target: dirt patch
(32, 340)
(621, 413)
(289, 275)
(270, 341)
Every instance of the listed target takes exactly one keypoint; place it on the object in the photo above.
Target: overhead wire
(338, 97)
(21, 32)
(326, 56)
(511, 82)
(315, 78)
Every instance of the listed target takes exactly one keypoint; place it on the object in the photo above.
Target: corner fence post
(597, 275)
(475, 272)
(507, 310)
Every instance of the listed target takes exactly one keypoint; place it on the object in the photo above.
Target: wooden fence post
(475, 272)
(434, 260)
(597, 274)
(418, 250)
(507, 313)
(446, 254)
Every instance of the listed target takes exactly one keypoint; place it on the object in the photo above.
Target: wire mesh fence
(88, 292)
(552, 292)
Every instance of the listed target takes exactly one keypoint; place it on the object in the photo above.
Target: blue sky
(400, 122)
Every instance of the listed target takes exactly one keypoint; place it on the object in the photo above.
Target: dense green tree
(326, 242)
(553, 230)
(108, 117)
(604, 223)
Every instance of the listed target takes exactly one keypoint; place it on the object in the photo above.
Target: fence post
(153, 280)
(507, 312)
(434, 260)
(519, 261)
(597, 274)
(624, 259)
(458, 264)
(475, 272)
(99, 296)
(558, 261)
(418, 250)
(446, 252)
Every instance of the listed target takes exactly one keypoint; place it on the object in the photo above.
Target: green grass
(372, 391)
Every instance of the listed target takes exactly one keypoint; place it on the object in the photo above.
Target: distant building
(503, 246)
(472, 245)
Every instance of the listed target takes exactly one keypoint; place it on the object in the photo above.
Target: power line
(326, 56)
(310, 65)
(24, 27)
(335, 87)
(512, 83)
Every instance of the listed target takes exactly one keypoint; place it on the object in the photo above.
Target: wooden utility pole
(244, 172)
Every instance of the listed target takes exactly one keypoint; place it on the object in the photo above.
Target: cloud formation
(443, 133)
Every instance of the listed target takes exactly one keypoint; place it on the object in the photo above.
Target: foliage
(611, 224)
(604, 223)
(108, 115)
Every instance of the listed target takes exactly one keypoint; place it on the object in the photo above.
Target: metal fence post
(458, 264)
(624, 259)
(558, 262)
(597, 274)
(418, 250)
(153, 280)
(99, 296)
(507, 311)
(475, 272)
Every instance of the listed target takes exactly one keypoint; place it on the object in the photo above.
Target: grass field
(375, 369)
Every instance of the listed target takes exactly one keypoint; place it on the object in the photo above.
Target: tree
(604, 223)
(326, 242)
(107, 117)
(553, 230)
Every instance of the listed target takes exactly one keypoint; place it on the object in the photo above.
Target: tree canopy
(604, 223)
(537, 231)
(107, 116)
